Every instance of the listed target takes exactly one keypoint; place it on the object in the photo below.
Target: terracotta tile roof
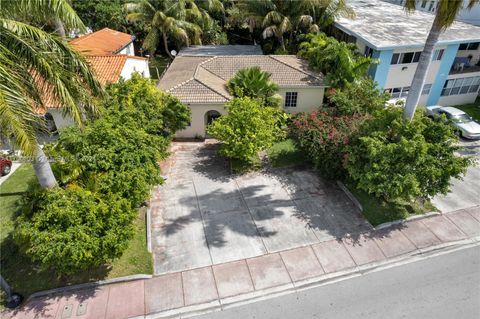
(187, 74)
(105, 41)
(108, 67)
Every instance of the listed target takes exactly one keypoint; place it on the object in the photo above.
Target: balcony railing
(464, 69)
(463, 65)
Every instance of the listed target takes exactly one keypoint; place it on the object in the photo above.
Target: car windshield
(461, 118)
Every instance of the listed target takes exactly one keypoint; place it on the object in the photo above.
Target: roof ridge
(200, 65)
(179, 85)
(297, 69)
(208, 86)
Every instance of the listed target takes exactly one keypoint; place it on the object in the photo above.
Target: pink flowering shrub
(324, 136)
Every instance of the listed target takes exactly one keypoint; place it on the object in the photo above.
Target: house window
(461, 86)
(368, 51)
(398, 92)
(291, 99)
(432, 6)
(404, 58)
(469, 46)
(473, 46)
(426, 89)
(395, 57)
(437, 55)
(424, 3)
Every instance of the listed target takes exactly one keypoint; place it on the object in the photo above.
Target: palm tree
(36, 66)
(280, 17)
(445, 15)
(179, 20)
(254, 83)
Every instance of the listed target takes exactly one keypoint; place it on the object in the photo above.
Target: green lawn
(471, 109)
(159, 62)
(285, 153)
(377, 211)
(26, 278)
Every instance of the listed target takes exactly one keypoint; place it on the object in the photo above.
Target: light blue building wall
(442, 74)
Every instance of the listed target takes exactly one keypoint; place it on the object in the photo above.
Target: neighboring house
(384, 31)
(198, 77)
(112, 57)
(471, 16)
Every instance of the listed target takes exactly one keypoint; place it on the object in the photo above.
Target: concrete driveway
(464, 193)
(203, 215)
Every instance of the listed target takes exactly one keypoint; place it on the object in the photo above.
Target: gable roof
(202, 79)
(104, 41)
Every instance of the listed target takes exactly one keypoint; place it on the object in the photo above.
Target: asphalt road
(446, 286)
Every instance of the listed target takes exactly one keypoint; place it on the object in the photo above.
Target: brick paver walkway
(220, 284)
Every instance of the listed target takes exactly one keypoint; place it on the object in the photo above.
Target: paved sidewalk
(218, 285)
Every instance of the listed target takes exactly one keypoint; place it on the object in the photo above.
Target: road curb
(401, 221)
(234, 301)
(350, 195)
(87, 285)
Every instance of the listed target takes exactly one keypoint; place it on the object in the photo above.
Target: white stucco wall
(61, 121)
(135, 65)
(198, 120)
(308, 99)
(400, 77)
(128, 50)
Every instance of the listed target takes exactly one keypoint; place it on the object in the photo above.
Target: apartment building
(385, 31)
(467, 15)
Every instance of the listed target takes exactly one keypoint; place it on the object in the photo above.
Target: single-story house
(111, 56)
(198, 77)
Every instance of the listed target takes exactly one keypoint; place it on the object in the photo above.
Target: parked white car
(465, 125)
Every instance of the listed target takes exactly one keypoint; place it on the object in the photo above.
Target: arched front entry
(210, 116)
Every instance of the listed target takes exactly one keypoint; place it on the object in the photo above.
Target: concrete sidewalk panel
(232, 278)
(419, 234)
(301, 263)
(363, 249)
(281, 227)
(333, 256)
(163, 293)
(199, 286)
(474, 211)
(466, 222)
(392, 242)
(126, 300)
(268, 271)
(94, 301)
(443, 228)
(232, 236)
(43, 307)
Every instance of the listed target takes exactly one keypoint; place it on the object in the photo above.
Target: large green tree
(393, 160)
(35, 65)
(178, 20)
(340, 61)
(248, 128)
(445, 14)
(254, 83)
